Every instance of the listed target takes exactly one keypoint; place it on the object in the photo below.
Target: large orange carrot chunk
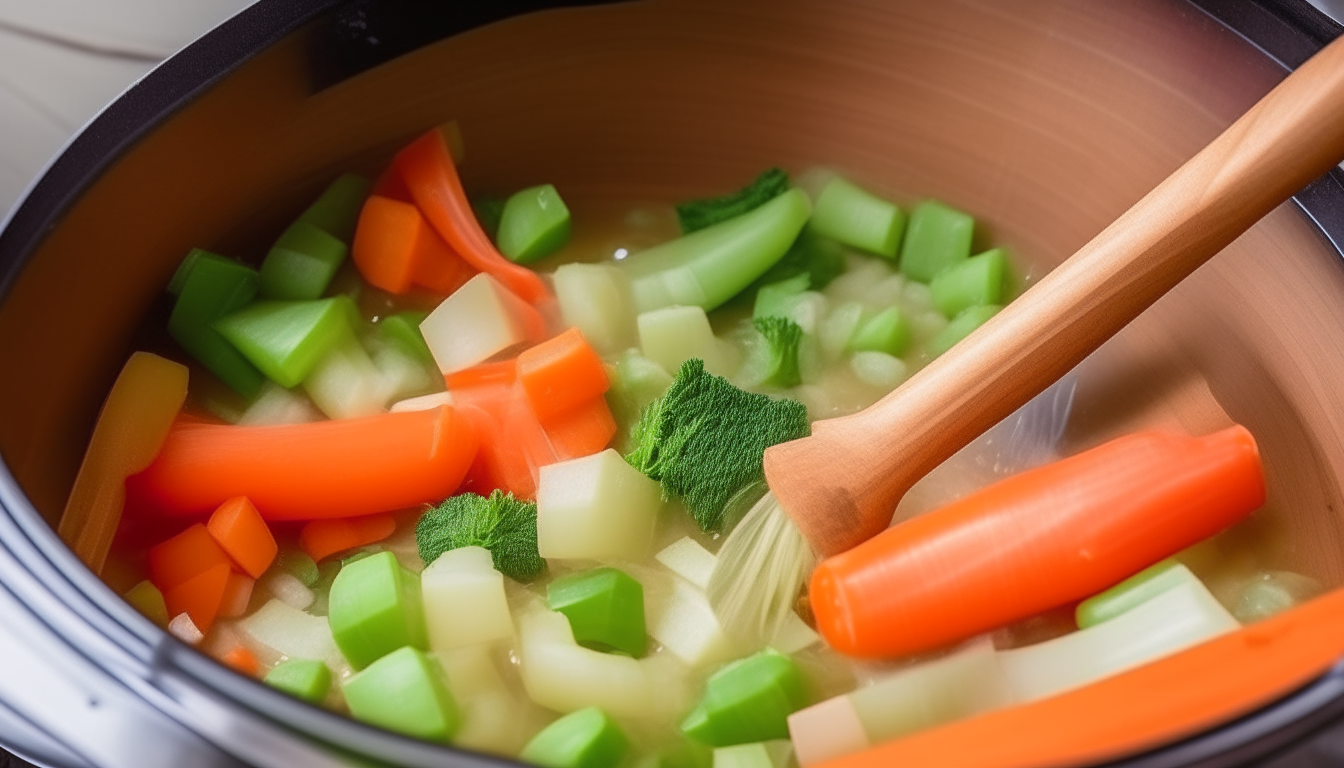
(184, 557)
(1034, 541)
(135, 419)
(561, 374)
(426, 166)
(200, 597)
(240, 531)
(325, 469)
(321, 539)
(583, 431)
(395, 249)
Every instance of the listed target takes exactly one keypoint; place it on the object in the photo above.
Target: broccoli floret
(698, 214)
(704, 440)
(502, 524)
(778, 353)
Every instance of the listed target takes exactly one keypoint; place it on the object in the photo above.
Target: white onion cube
(478, 321)
(595, 298)
(596, 507)
(682, 620)
(290, 632)
(672, 335)
(464, 600)
(827, 731)
(422, 403)
(686, 558)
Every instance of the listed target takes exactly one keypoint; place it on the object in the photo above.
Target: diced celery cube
(184, 268)
(301, 263)
(583, 739)
(277, 405)
(375, 608)
(673, 335)
(857, 218)
(595, 298)
(299, 565)
(402, 330)
(404, 691)
(975, 282)
(1137, 589)
(839, 328)
(637, 382)
(285, 339)
(686, 754)
(148, 600)
(596, 507)
(748, 700)
(776, 299)
(938, 237)
(605, 608)
(301, 678)
(337, 210)
(345, 383)
(477, 321)
(879, 369)
(885, 332)
(534, 223)
(213, 287)
(762, 754)
(961, 326)
(464, 600)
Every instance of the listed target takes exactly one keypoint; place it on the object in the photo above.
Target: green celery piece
(938, 237)
(776, 299)
(489, 210)
(1139, 588)
(336, 210)
(857, 218)
(887, 332)
(301, 264)
(148, 600)
(712, 265)
(975, 282)
(534, 224)
(215, 286)
(687, 754)
(961, 326)
(183, 270)
(636, 381)
(375, 609)
(695, 215)
(605, 608)
(587, 738)
(285, 339)
(820, 258)
(402, 330)
(748, 700)
(759, 754)
(404, 691)
(298, 564)
(301, 678)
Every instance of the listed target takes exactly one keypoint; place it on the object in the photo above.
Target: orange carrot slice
(426, 166)
(342, 468)
(135, 419)
(583, 431)
(395, 249)
(240, 531)
(1034, 541)
(237, 594)
(321, 539)
(242, 660)
(561, 374)
(200, 596)
(514, 446)
(184, 557)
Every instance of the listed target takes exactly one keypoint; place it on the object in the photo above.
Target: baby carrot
(341, 468)
(321, 539)
(132, 425)
(1034, 541)
(426, 166)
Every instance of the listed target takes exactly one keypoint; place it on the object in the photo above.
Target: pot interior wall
(1045, 119)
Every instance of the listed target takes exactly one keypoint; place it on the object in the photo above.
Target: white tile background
(61, 60)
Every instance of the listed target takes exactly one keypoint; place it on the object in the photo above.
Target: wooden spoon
(841, 485)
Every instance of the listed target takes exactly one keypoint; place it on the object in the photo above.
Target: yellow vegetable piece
(131, 428)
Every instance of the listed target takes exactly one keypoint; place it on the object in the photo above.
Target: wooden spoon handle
(842, 484)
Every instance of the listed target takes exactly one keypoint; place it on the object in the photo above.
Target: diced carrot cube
(561, 373)
(583, 431)
(237, 594)
(395, 248)
(200, 596)
(322, 538)
(242, 660)
(183, 557)
(240, 532)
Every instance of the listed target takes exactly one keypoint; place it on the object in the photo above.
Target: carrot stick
(514, 446)
(1035, 541)
(561, 374)
(324, 469)
(427, 168)
(239, 530)
(395, 249)
(321, 539)
(132, 426)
